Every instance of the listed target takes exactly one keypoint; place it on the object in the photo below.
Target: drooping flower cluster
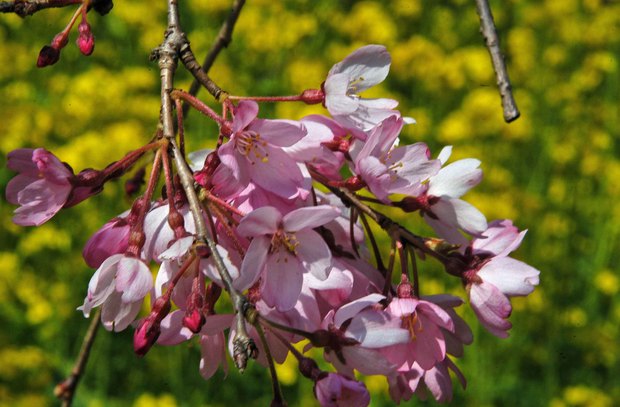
(286, 204)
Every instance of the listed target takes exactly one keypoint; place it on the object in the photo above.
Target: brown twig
(392, 228)
(224, 37)
(25, 8)
(65, 391)
(487, 28)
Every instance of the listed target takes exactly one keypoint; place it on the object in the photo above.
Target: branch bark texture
(487, 28)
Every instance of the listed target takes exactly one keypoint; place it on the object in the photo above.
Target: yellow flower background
(555, 171)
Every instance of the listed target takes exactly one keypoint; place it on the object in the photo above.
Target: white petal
(456, 179)
(510, 276)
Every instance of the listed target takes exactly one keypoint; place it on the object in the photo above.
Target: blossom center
(353, 87)
(250, 144)
(283, 241)
(412, 323)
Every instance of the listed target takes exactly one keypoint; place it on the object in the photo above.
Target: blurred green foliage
(555, 171)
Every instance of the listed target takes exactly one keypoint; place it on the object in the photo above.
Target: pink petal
(354, 307)
(314, 253)
(461, 214)
(213, 351)
(236, 163)
(246, 111)
(367, 361)
(253, 262)
(20, 160)
(309, 217)
(375, 329)
(282, 281)
(439, 383)
(261, 221)
(281, 133)
(429, 346)
(491, 307)
(279, 174)
(172, 331)
(500, 239)
(16, 185)
(337, 101)
(367, 66)
(133, 279)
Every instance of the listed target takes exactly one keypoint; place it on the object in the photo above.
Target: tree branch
(167, 55)
(65, 391)
(24, 8)
(487, 28)
(224, 37)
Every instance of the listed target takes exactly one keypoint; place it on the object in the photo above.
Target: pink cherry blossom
(388, 170)
(254, 153)
(41, 188)
(119, 285)
(359, 331)
(439, 199)
(424, 322)
(437, 381)
(335, 390)
(283, 248)
(491, 277)
(360, 70)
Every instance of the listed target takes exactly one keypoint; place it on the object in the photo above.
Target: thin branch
(24, 8)
(393, 229)
(373, 243)
(487, 28)
(224, 37)
(65, 391)
(189, 60)
(278, 400)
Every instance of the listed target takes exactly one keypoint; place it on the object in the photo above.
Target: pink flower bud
(312, 96)
(194, 320)
(86, 39)
(145, 336)
(149, 329)
(60, 41)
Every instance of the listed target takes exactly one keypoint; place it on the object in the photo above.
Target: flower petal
(309, 217)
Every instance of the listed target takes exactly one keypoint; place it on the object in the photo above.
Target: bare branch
(224, 37)
(24, 8)
(487, 28)
(65, 391)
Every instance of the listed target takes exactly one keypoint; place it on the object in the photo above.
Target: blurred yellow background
(555, 171)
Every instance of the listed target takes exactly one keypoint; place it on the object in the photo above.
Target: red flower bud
(48, 56)
(86, 39)
(312, 96)
(146, 335)
(194, 320)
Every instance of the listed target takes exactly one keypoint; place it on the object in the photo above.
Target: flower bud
(86, 39)
(48, 56)
(145, 336)
(194, 320)
(60, 41)
(312, 96)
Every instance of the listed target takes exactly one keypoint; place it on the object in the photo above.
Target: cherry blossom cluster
(288, 206)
